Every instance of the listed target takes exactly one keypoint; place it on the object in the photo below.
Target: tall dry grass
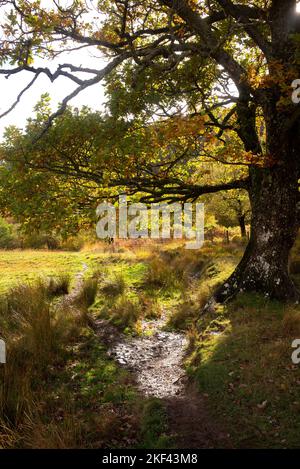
(175, 268)
(37, 332)
(59, 285)
(114, 286)
(125, 312)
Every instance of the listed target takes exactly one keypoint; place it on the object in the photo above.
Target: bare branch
(85, 84)
(19, 96)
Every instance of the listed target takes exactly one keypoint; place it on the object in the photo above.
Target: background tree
(217, 77)
(41, 185)
(231, 209)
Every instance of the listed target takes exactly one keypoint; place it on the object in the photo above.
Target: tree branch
(172, 190)
(214, 49)
(84, 84)
(243, 15)
(19, 96)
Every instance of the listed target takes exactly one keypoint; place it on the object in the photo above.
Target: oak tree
(187, 81)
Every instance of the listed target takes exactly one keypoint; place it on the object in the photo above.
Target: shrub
(88, 291)
(39, 240)
(8, 238)
(115, 286)
(125, 312)
(59, 285)
(73, 243)
(159, 274)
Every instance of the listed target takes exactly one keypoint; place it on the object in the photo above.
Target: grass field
(23, 266)
(239, 356)
(28, 265)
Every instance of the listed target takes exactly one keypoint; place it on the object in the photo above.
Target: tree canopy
(187, 82)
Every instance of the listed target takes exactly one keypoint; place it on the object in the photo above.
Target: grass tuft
(159, 274)
(88, 291)
(36, 333)
(59, 285)
(125, 312)
(115, 286)
(186, 313)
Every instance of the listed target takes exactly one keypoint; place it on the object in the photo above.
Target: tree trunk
(242, 226)
(264, 266)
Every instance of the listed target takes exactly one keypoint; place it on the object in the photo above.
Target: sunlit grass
(26, 266)
(240, 355)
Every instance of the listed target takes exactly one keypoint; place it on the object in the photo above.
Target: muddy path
(156, 360)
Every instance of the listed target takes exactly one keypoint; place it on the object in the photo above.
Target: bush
(73, 243)
(34, 241)
(88, 291)
(8, 238)
(125, 312)
(40, 240)
(115, 286)
(59, 285)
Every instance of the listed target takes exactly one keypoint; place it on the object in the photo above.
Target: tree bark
(274, 227)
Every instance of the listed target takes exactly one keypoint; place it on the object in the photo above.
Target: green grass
(154, 426)
(142, 285)
(26, 266)
(239, 356)
(59, 388)
(241, 361)
(66, 391)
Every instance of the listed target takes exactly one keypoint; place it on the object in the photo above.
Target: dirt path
(78, 281)
(191, 424)
(156, 359)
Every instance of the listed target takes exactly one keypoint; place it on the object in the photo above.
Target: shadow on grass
(247, 375)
